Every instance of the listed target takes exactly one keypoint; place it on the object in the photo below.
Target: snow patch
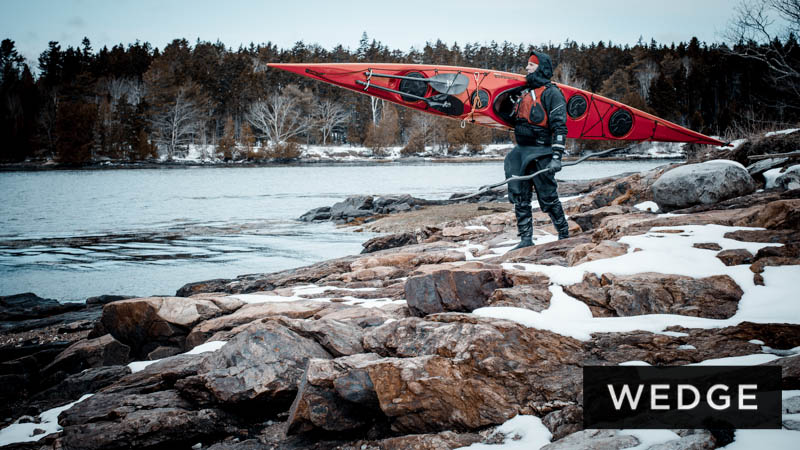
(668, 253)
(522, 433)
(48, 422)
(780, 132)
(647, 206)
(211, 346)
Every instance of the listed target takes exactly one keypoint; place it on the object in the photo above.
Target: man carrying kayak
(541, 131)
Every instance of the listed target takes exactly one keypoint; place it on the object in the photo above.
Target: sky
(399, 25)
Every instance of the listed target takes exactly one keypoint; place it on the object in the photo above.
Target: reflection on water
(73, 234)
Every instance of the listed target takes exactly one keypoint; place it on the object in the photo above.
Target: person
(540, 130)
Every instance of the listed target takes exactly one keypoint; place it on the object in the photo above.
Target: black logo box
(599, 411)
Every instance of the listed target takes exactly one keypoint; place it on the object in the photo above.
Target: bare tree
(133, 89)
(566, 73)
(330, 115)
(756, 36)
(176, 123)
(278, 118)
(376, 105)
(645, 73)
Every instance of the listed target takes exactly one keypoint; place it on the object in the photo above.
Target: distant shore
(107, 165)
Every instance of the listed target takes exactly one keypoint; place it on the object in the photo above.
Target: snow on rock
(649, 438)
(521, 433)
(211, 346)
(647, 206)
(669, 253)
(48, 424)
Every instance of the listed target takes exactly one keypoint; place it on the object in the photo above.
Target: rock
(30, 306)
(702, 440)
(708, 246)
(766, 236)
(102, 351)
(661, 349)
(757, 169)
(735, 257)
(564, 421)
(387, 242)
(147, 323)
(374, 273)
(321, 213)
(445, 440)
(408, 259)
(335, 396)
(593, 440)
(460, 231)
(612, 295)
(267, 282)
(533, 297)
(74, 386)
(702, 183)
(103, 299)
(628, 190)
(448, 288)
(551, 253)
(789, 179)
(591, 219)
(479, 371)
(590, 251)
(337, 338)
(258, 370)
(139, 420)
(790, 373)
(367, 317)
(352, 207)
(791, 405)
(301, 309)
(742, 202)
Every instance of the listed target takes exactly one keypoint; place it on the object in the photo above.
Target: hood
(543, 73)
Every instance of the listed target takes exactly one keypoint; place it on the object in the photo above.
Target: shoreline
(45, 167)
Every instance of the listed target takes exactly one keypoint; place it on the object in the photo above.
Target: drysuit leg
(547, 195)
(520, 195)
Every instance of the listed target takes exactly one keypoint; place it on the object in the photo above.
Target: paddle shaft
(417, 97)
(485, 189)
(442, 83)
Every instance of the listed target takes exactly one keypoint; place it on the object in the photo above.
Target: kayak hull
(485, 100)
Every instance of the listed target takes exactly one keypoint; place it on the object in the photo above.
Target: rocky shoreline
(437, 335)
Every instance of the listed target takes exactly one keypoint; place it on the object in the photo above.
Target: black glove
(555, 163)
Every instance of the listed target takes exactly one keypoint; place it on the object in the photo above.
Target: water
(70, 235)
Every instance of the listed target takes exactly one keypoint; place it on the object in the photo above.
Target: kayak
(483, 97)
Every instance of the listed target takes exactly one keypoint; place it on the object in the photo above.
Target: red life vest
(530, 107)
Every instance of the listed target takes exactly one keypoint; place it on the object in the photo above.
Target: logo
(721, 397)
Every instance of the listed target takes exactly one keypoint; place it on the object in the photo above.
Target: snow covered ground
(345, 153)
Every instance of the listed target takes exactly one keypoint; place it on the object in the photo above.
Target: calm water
(70, 235)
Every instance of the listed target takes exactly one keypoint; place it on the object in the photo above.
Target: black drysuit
(536, 146)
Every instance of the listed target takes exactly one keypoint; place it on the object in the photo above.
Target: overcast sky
(398, 24)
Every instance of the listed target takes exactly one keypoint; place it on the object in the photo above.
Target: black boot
(524, 224)
(556, 213)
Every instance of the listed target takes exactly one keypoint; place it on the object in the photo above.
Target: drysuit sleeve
(553, 100)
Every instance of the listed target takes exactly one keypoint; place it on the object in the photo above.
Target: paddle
(430, 103)
(485, 189)
(446, 83)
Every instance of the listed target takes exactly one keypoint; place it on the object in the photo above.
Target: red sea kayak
(482, 96)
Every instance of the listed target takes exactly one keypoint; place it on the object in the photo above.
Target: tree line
(137, 102)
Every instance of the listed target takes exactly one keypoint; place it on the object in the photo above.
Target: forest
(135, 102)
